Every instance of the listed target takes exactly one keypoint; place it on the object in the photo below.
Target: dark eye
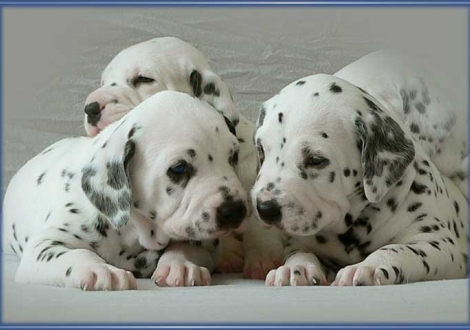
(178, 169)
(142, 80)
(316, 161)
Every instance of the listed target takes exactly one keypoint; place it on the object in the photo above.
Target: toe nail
(315, 281)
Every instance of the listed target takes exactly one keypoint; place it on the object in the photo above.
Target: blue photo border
(218, 3)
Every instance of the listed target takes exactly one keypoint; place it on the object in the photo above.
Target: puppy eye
(142, 80)
(178, 169)
(315, 161)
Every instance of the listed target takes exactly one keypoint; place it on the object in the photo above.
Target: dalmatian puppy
(94, 213)
(408, 90)
(354, 198)
(169, 63)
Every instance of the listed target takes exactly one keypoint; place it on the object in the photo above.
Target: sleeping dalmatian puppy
(169, 63)
(400, 86)
(94, 213)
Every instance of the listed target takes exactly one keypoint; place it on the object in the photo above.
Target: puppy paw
(358, 275)
(102, 277)
(257, 265)
(181, 273)
(296, 275)
(230, 256)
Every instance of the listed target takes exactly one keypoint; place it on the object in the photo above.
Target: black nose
(230, 214)
(269, 211)
(93, 110)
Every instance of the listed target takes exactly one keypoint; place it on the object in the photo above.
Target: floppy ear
(209, 87)
(105, 181)
(386, 150)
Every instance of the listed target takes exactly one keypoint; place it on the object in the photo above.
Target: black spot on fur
(418, 188)
(420, 107)
(346, 172)
(195, 80)
(41, 178)
(457, 208)
(300, 83)
(68, 272)
(414, 128)
(191, 153)
(210, 89)
(101, 226)
(335, 88)
(324, 135)
(413, 207)
(385, 272)
(332, 176)
(280, 115)
(392, 204)
(426, 265)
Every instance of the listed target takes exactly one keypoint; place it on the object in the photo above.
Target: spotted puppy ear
(210, 88)
(386, 150)
(105, 181)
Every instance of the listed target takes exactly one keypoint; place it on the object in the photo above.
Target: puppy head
(321, 141)
(144, 69)
(176, 170)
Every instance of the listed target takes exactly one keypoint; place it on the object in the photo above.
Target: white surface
(234, 300)
(54, 57)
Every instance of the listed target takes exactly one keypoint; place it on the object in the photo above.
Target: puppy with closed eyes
(351, 197)
(94, 213)
(169, 63)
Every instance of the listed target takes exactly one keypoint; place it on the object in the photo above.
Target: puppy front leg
(300, 269)
(183, 264)
(59, 258)
(425, 257)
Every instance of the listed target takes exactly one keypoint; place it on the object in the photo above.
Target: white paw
(101, 277)
(358, 275)
(257, 264)
(181, 273)
(230, 256)
(296, 275)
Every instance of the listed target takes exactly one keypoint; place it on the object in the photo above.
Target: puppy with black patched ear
(169, 63)
(93, 213)
(403, 87)
(353, 198)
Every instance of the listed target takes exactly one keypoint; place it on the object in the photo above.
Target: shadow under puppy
(169, 63)
(349, 193)
(92, 213)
